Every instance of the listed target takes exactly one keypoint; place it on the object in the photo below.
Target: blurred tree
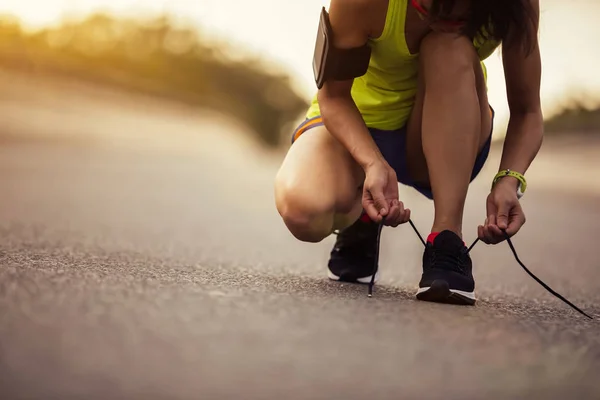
(159, 57)
(575, 118)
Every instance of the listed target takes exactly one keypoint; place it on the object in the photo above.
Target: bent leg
(449, 126)
(317, 189)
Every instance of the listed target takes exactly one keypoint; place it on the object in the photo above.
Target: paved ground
(130, 269)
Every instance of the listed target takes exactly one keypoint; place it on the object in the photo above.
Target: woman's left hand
(504, 212)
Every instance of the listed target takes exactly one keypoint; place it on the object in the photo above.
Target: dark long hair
(495, 20)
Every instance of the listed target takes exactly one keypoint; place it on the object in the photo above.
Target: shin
(455, 122)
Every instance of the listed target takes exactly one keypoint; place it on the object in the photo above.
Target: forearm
(523, 141)
(343, 120)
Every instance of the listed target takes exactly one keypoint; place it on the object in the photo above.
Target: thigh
(416, 162)
(320, 173)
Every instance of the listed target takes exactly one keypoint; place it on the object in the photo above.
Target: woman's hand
(380, 196)
(504, 212)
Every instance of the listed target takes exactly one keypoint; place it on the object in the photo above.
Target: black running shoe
(447, 272)
(353, 255)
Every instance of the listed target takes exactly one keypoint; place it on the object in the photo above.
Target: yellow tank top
(385, 94)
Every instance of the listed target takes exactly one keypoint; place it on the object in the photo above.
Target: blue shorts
(392, 145)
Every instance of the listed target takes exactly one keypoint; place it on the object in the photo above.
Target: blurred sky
(284, 30)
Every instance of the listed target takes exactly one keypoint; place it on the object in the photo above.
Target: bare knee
(308, 219)
(448, 58)
(316, 186)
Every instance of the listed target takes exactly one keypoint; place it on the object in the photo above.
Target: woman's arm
(522, 68)
(523, 75)
(350, 26)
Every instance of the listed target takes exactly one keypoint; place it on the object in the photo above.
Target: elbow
(529, 124)
(526, 106)
(328, 95)
(332, 98)
(529, 114)
(324, 105)
(335, 91)
(323, 98)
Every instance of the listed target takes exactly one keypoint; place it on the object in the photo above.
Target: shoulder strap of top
(396, 14)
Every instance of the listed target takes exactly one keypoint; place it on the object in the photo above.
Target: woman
(419, 116)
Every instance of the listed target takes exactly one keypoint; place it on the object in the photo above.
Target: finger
(400, 215)
(371, 210)
(517, 220)
(394, 214)
(491, 231)
(496, 232)
(481, 235)
(406, 216)
(502, 215)
(381, 203)
(489, 237)
(513, 228)
(400, 212)
(484, 231)
(485, 238)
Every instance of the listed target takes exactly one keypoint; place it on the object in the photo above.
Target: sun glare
(283, 31)
(33, 15)
(39, 13)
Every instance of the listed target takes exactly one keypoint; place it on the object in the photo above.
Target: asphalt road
(141, 257)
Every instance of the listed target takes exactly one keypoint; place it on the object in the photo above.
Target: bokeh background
(141, 254)
(221, 85)
(251, 60)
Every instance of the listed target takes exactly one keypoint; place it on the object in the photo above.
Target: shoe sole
(348, 279)
(440, 292)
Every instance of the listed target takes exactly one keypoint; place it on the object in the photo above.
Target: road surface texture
(141, 257)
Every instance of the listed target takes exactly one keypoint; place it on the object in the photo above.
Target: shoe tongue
(448, 239)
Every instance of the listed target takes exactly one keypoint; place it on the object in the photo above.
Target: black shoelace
(510, 244)
(447, 258)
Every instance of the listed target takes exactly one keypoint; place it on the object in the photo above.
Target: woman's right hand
(380, 196)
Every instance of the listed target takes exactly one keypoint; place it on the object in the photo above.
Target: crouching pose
(402, 97)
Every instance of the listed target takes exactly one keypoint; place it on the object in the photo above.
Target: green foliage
(158, 57)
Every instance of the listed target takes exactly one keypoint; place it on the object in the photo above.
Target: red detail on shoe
(365, 218)
(432, 237)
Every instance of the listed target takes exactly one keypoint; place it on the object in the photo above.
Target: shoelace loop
(510, 244)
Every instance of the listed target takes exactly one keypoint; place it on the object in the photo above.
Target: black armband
(331, 63)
